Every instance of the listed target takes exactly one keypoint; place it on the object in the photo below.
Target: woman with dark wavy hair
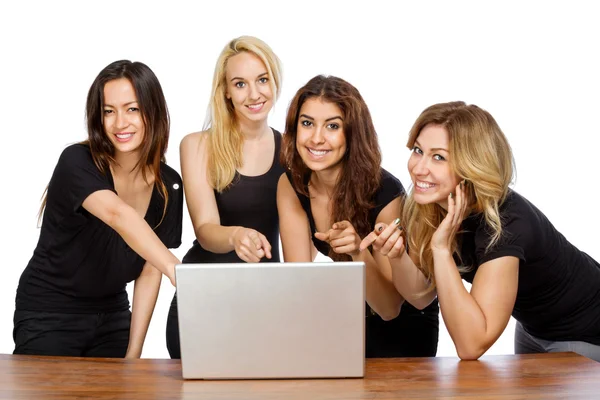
(333, 194)
(111, 211)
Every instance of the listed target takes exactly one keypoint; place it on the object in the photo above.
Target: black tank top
(251, 202)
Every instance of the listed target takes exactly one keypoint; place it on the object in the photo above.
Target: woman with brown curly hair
(334, 193)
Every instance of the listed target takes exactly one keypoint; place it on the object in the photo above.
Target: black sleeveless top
(414, 333)
(251, 202)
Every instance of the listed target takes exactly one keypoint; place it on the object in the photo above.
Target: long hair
(155, 116)
(360, 175)
(225, 139)
(479, 153)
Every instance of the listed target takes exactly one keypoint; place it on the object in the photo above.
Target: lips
(317, 152)
(256, 107)
(421, 186)
(124, 136)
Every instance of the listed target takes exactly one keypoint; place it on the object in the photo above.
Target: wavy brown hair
(480, 153)
(155, 115)
(360, 175)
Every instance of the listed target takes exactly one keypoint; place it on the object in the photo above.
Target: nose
(121, 120)
(254, 93)
(318, 136)
(421, 167)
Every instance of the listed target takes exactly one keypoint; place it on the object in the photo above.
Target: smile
(318, 153)
(424, 186)
(124, 137)
(256, 107)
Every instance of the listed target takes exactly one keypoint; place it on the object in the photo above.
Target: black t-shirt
(251, 202)
(558, 294)
(80, 264)
(414, 332)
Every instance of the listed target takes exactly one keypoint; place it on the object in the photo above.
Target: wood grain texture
(542, 376)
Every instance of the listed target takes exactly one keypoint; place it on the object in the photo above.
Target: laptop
(271, 320)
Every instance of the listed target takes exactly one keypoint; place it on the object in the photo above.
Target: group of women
(113, 208)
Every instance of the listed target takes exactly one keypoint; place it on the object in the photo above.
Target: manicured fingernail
(380, 229)
(397, 221)
(451, 195)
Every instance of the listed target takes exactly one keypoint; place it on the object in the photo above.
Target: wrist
(171, 275)
(439, 252)
(133, 353)
(359, 255)
(234, 232)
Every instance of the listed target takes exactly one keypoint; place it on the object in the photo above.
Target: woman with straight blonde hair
(462, 213)
(230, 170)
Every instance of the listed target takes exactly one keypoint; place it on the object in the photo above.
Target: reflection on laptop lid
(271, 320)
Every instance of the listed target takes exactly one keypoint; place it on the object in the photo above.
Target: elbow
(469, 353)
(391, 313)
(389, 316)
(420, 304)
(116, 215)
(202, 235)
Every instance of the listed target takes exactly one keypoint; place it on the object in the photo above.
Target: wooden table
(543, 376)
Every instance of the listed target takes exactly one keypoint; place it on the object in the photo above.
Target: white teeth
(425, 185)
(125, 135)
(255, 106)
(318, 152)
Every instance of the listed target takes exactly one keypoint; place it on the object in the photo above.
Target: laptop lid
(271, 320)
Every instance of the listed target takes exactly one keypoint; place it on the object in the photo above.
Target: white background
(533, 65)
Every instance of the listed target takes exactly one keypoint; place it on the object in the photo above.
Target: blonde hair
(479, 153)
(225, 139)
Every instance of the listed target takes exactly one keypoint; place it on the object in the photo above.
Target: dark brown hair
(155, 115)
(360, 175)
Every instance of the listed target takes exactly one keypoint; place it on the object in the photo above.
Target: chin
(256, 117)
(127, 149)
(424, 199)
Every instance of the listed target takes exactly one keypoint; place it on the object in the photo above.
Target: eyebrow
(124, 105)
(432, 149)
(259, 76)
(327, 120)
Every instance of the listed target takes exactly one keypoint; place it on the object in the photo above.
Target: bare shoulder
(194, 139)
(284, 186)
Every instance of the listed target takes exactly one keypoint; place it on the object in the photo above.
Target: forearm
(216, 238)
(145, 294)
(464, 319)
(410, 282)
(141, 238)
(381, 294)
